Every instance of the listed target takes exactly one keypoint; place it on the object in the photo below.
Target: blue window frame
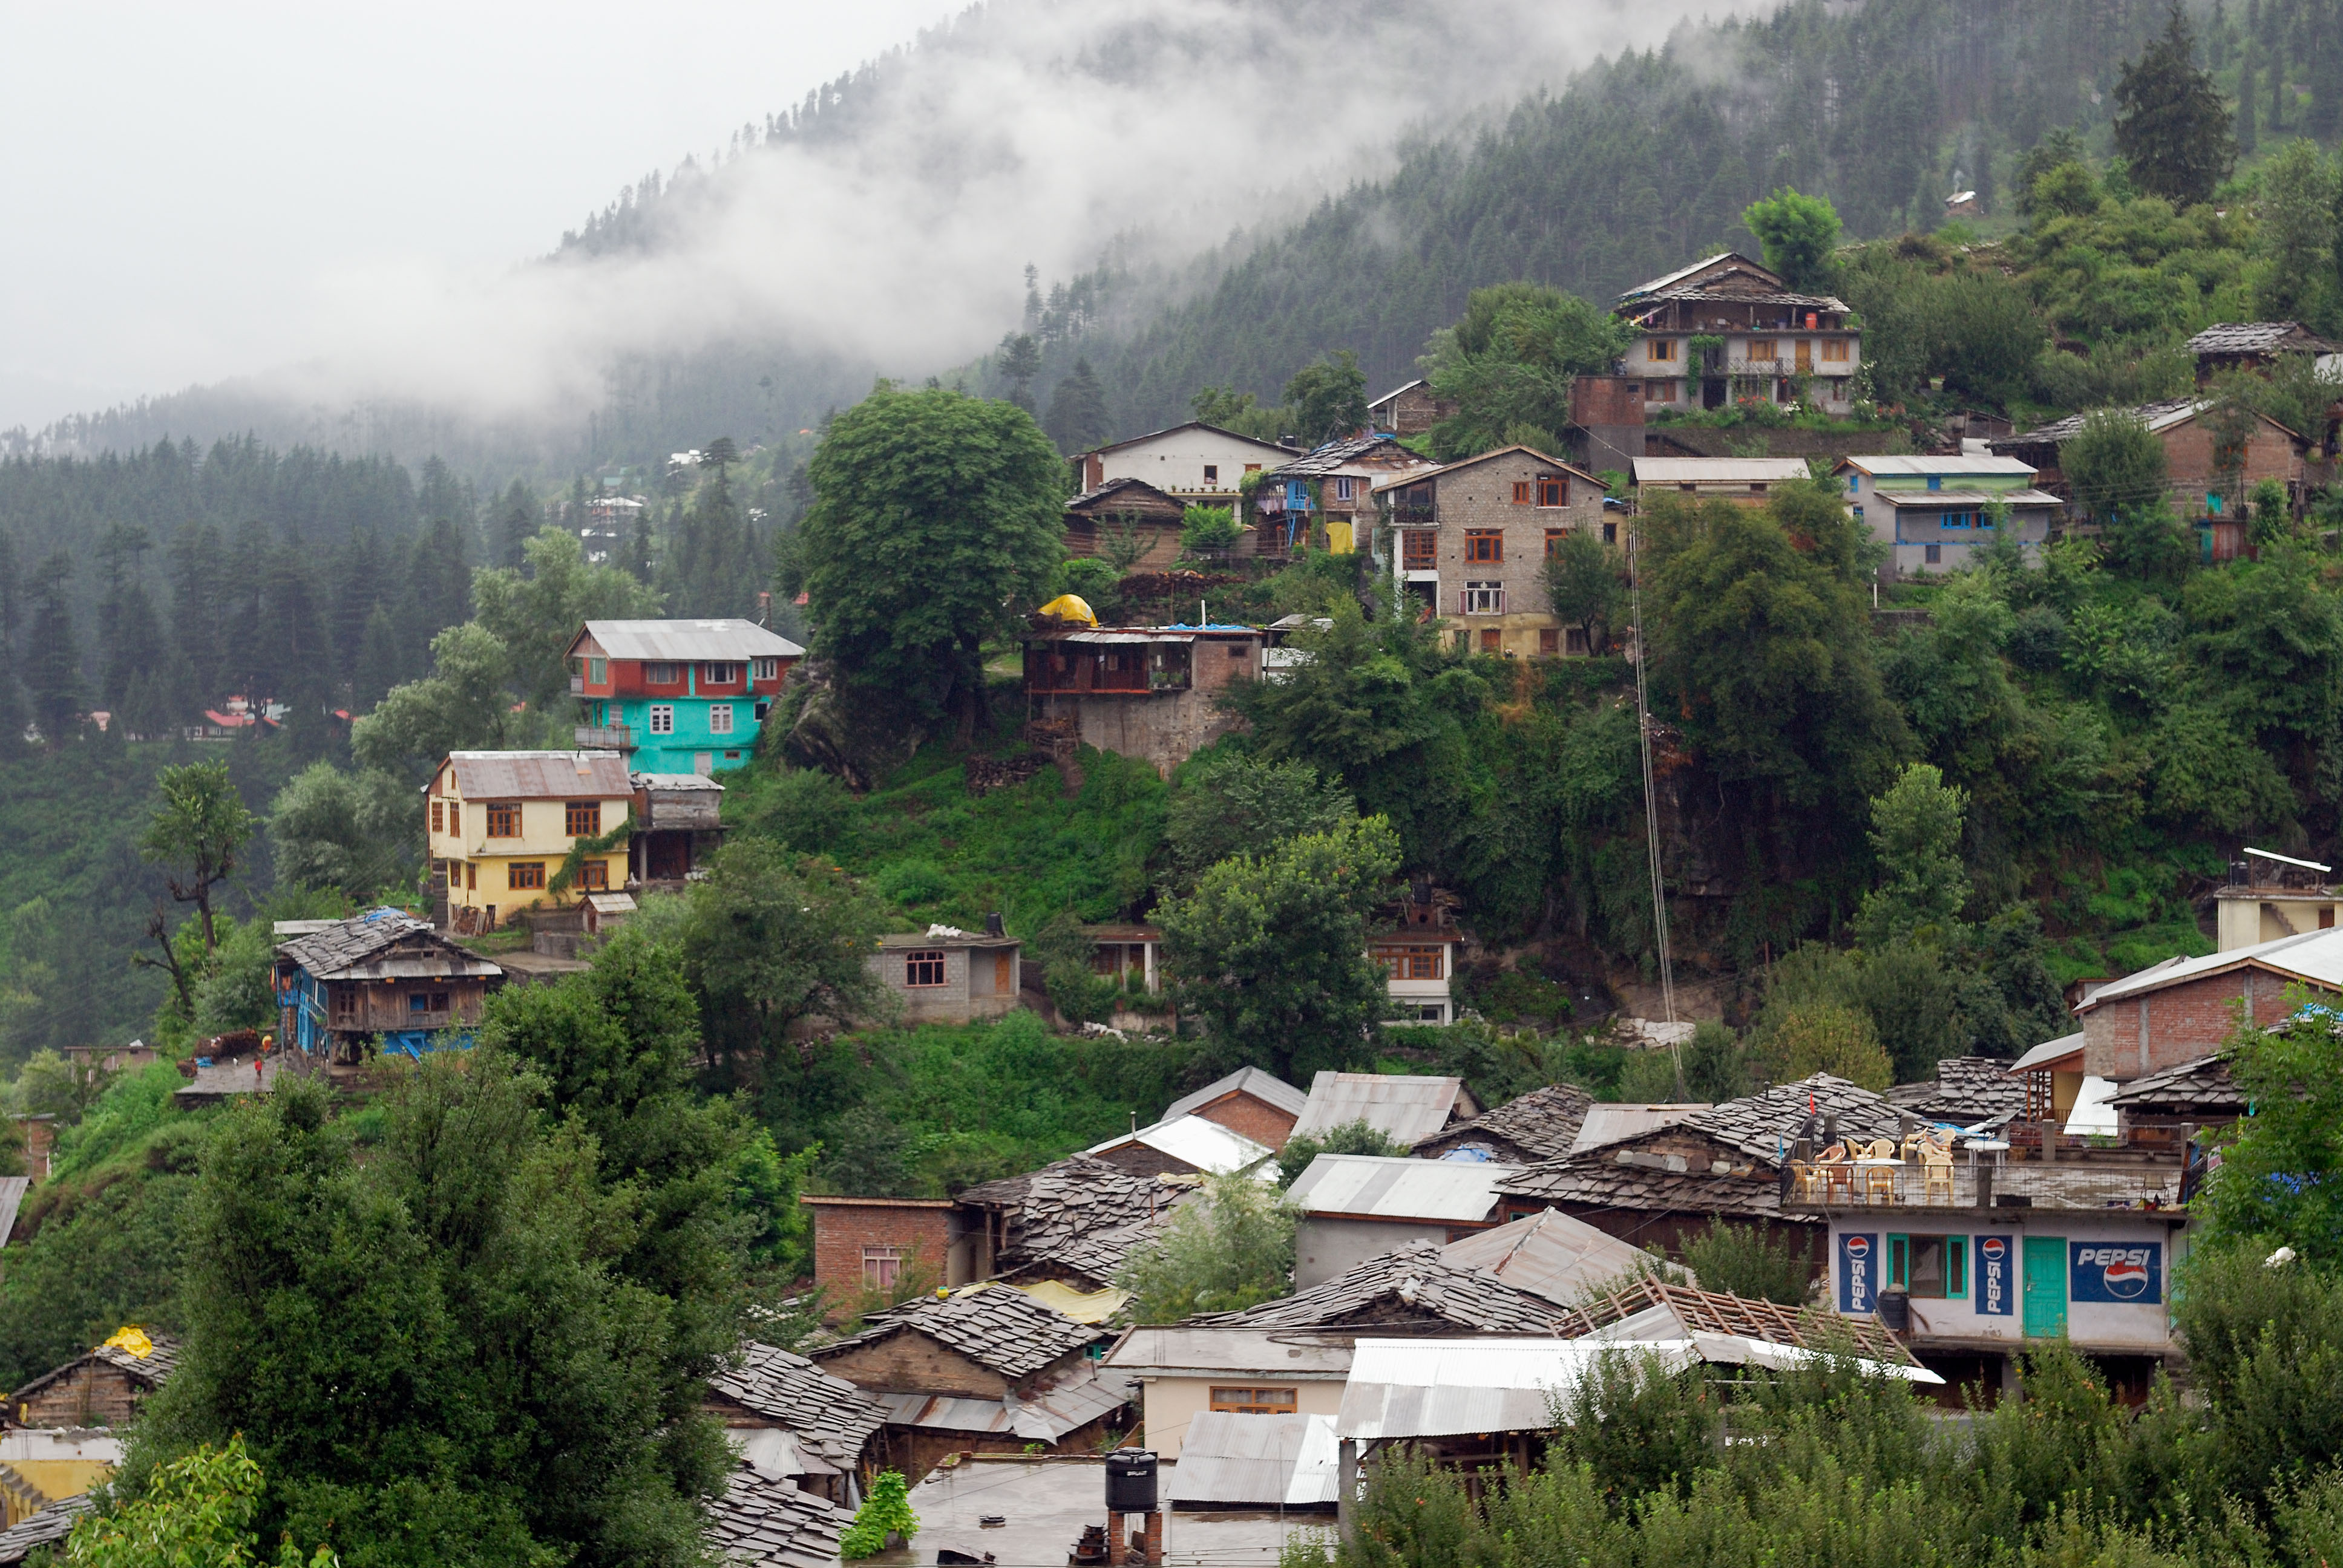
(1936, 481)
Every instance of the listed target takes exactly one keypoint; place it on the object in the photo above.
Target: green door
(2045, 1287)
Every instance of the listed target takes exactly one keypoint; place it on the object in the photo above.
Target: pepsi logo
(1993, 1248)
(2126, 1279)
(1858, 1246)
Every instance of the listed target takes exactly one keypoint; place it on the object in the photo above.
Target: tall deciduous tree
(2170, 124)
(1270, 951)
(2300, 191)
(935, 523)
(536, 616)
(1798, 234)
(460, 706)
(1586, 583)
(772, 941)
(198, 832)
(1229, 1248)
(1328, 398)
(1916, 834)
(1508, 364)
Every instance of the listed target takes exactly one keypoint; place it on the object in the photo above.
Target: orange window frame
(582, 818)
(504, 819)
(525, 875)
(1552, 490)
(1484, 546)
(1521, 492)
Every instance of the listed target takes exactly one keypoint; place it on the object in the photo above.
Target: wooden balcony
(604, 738)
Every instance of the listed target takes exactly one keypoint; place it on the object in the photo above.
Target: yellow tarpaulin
(1083, 1306)
(133, 1340)
(1071, 606)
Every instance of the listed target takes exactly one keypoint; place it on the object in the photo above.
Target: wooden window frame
(1554, 538)
(1663, 350)
(652, 676)
(1254, 1400)
(1659, 391)
(1550, 641)
(507, 813)
(1419, 549)
(924, 968)
(1484, 546)
(1490, 597)
(1492, 641)
(1765, 351)
(438, 816)
(471, 876)
(720, 672)
(456, 818)
(882, 1265)
(1346, 488)
(582, 818)
(598, 672)
(1555, 485)
(594, 876)
(343, 1003)
(525, 875)
(1834, 351)
(1522, 492)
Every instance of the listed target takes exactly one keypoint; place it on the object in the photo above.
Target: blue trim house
(677, 696)
(378, 983)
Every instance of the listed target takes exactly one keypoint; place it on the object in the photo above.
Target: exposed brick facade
(1255, 1118)
(2129, 1036)
(842, 1227)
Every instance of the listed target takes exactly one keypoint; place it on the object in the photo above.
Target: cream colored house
(2268, 896)
(500, 823)
(1183, 1371)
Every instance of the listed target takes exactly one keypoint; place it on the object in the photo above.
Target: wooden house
(502, 822)
(1326, 498)
(384, 980)
(104, 1387)
(679, 823)
(1128, 518)
(1150, 692)
(1752, 335)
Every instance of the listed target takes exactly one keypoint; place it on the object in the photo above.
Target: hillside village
(1698, 936)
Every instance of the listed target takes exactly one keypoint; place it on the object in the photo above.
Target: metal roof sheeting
(12, 1198)
(2313, 956)
(1923, 467)
(1199, 1144)
(1042, 1416)
(1387, 1187)
(686, 642)
(1219, 1352)
(1550, 1254)
(1233, 1461)
(539, 775)
(1267, 1087)
(1719, 470)
(1923, 500)
(1611, 1124)
(1403, 1109)
(2049, 1050)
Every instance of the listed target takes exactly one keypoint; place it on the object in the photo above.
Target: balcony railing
(2027, 1184)
(604, 738)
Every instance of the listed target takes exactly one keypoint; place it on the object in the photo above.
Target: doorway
(2045, 1287)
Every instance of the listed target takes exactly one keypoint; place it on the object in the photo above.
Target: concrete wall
(1168, 1404)
(2264, 915)
(2138, 1328)
(1323, 1247)
(979, 983)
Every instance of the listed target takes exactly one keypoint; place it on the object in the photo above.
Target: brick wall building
(1257, 1104)
(1470, 540)
(2183, 1009)
(873, 1243)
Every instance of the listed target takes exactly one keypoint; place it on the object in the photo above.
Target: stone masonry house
(1769, 340)
(1472, 539)
(1148, 692)
(1409, 411)
(947, 975)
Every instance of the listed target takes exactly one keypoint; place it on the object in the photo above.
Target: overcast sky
(185, 184)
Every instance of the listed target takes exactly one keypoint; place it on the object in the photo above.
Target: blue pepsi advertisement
(1994, 1285)
(1860, 1264)
(2120, 1273)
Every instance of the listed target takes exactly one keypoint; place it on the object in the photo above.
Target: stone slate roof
(2203, 1085)
(994, 1326)
(50, 1525)
(1761, 1125)
(1966, 1090)
(151, 1369)
(1136, 497)
(2257, 337)
(364, 942)
(1539, 1125)
(1414, 1283)
(761, 1522)
(1080, 1213)
(827, 1414)
(1336, 456)
(1716, 1313)
(1593, 1180)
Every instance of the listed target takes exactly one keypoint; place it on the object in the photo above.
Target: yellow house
(501, 823)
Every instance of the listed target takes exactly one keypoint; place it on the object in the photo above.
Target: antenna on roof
(1651, 794)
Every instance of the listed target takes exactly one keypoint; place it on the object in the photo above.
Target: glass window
(504, 819)
(582, 818)
(658, 674)
(1663, 349)
(595, 875)
(924, 968)
(455, 815)
(662, 719)
(1553, 489)
(1521, 492)
(1417, 550)
(719, 674)
(881, 1267)
(522, 875)
(769, 669)
(1484, 546)
(720, 719)
(598, 671)
(1255, 1401)
(1211, 473)
(437, 817)
(1483, 598)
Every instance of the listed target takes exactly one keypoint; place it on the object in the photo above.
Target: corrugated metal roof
(1920, 500)
(2047, 1051)
(1920, 467)
(2313, 956)
(1185, 1348)
(1126, 636)
(1403, 1109)
(1267, 1087)
(1719, 470)
(686, 642)
(1611, 1124)
(666, 781)
(1228, 1460)
(541, 775)
(1042, 1416)
(1197, 1143)
(1550, 1254)
(1399, 1189)
(1408, 387)
(12, 1198)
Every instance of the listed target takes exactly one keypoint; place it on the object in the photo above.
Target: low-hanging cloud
(893, 230)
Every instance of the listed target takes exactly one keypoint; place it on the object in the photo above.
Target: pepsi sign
(1858, 1272)
(1995, 1290)
(2122, 1273)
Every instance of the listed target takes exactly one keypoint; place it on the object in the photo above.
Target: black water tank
(1130, 1480)
(1894, 1312)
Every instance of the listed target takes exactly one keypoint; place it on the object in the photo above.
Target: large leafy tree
(1328, 398)
(196, 832)
(1916, 835)
(1270, 951)
(462, 705)
(536, 614)
(1586, 583)
(1230, 802)
(1508, 364)
(356, 833)
(2170, 124)
(935, 523)
(1798, 234)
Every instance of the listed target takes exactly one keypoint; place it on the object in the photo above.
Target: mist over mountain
(1226, 188)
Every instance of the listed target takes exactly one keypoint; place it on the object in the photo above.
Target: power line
(1651, 793)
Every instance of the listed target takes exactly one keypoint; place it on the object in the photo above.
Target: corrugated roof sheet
(12, 1198)
(1265, 1087)
(1224, 1349)
(1550, 1254)
(1043, 1414)
(1922, 466)
(1719, 470)
(1614, 1123)
(1403, 1109)
(2313, 956)
(1923, 500)
(772, 1525)
(688, 641)
(1228, 1460)
(1540, 1125)
(2049, 1050)
(1198, 1143)
(1391, 1187)
(1405, 386)
(541, 775)
(829, 1414)
(1669, 279)
(1414, 1283)
(2157, 416)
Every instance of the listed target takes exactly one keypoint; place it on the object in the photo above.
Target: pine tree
(198, 588)
(518, 518)
(52, 654)
(2170, 124)
(2248, 137)
(1077, 417)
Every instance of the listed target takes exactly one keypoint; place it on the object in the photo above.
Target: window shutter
(1464, 601)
